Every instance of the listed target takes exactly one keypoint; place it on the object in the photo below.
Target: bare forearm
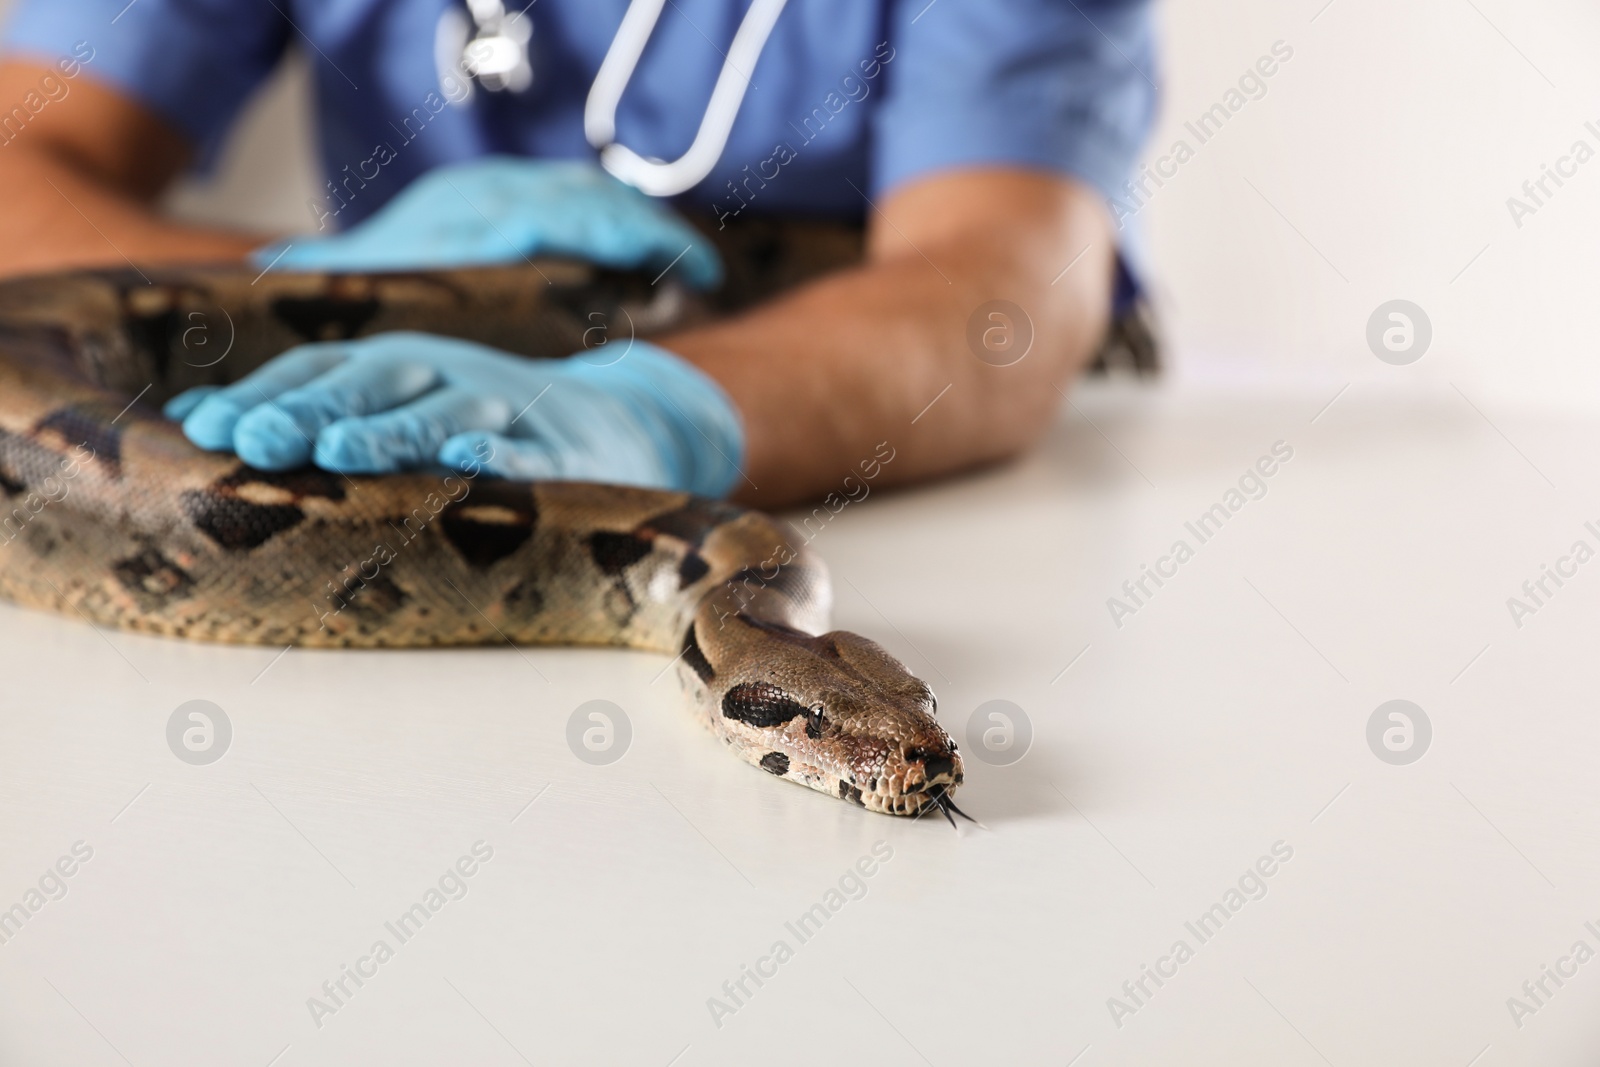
(77, 184)
(57, 216)
(823, 375)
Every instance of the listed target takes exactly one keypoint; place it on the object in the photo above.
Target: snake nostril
(933, 765)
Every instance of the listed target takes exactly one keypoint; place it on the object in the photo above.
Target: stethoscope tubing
(653, 176)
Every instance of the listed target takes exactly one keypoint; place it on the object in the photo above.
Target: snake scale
(109, 513)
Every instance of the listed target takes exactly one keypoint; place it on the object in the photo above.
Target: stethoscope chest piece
(493, 51)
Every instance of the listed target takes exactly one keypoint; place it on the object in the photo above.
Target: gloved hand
(396, 401)
(504, 209)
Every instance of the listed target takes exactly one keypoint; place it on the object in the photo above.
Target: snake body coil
(109, 513)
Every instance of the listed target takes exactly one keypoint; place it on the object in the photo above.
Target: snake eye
(814, 722)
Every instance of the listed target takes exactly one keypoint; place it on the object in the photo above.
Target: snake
(110, 515)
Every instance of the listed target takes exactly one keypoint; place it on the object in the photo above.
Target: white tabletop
(1226, 718)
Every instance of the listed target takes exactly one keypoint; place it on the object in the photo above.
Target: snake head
(839, 714)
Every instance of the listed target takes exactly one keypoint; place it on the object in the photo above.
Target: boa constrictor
(109, 513)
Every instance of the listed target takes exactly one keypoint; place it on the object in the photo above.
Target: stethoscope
(496, 56)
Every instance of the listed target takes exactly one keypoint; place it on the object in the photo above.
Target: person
(979, 142)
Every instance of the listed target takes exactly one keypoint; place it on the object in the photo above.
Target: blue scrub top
(849, 99)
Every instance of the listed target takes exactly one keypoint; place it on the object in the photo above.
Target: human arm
(825, 373)
(80, 180)
(1005, 130)
(82, 177)
(817, 378)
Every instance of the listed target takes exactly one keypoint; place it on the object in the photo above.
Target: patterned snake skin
(111, 515)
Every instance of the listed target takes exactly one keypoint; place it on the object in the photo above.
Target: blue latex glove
(397, 401)
(505, 209)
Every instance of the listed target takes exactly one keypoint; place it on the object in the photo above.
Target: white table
(1229, 713)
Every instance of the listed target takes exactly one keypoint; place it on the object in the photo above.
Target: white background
(1228, 714)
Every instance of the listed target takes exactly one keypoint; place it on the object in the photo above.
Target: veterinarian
(982, 141)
